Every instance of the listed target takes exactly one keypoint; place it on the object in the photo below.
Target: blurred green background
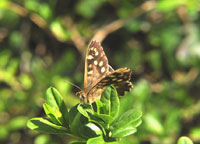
(43, 43)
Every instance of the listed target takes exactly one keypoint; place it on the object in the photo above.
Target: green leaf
(106, 118)
(105, 98)
(80, 125)
(99, 140)
(53, 114)
(83, 110)
(115, 104)
(77, 142)
(89, 130)
(111, 102)
(98, 121)
(99, 106)
(184, 140)
(77, 121)
(123, 132)
(45, 126)
(126, 130)
(74, 121)
(54, 99)
(127, 118)
(136, 123)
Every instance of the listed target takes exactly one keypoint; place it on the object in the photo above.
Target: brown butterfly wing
(120, 79)
(123, 87)
(96, 65)
(123, 83)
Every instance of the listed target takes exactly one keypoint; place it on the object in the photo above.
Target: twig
(23, 12)
(104, 31)
(76, 37)
(117, 24)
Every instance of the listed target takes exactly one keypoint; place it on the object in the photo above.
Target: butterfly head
(82, 94)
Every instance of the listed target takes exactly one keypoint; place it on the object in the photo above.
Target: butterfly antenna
(73, 84)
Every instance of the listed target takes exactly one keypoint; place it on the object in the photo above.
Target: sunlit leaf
(184, 140)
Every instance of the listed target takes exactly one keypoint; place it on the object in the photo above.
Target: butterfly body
(99, 74)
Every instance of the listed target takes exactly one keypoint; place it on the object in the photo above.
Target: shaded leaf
(75, 120)
(106, 118)
(99, 140)
(45, 126)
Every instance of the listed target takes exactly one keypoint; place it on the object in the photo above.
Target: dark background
(43, 43)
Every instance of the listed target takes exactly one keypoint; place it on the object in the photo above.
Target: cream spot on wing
(90, 57)
(95, 62)
(90, 66)
(95, 49)
(92, 48)
(103, 69)
(96, 53)
(101, 63)
(90, 72)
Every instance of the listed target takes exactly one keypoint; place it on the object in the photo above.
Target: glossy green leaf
(45, 126)
(89, 130)
(136, 123)
(54, 99)
(84, 111)
(127, 118)
(184, 140)
(98, 121)
(53, 114)
(77, 121)
(115, 104)
(123, 132)
(111, 102)
(126, 130)
(99, 106)
(105, 98)
(106, 118)
(74, 121)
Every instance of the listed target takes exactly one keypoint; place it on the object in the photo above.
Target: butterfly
(99, 74)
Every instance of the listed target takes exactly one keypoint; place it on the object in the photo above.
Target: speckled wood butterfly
(99, 74)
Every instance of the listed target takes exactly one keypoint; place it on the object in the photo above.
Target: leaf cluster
(96, 123)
